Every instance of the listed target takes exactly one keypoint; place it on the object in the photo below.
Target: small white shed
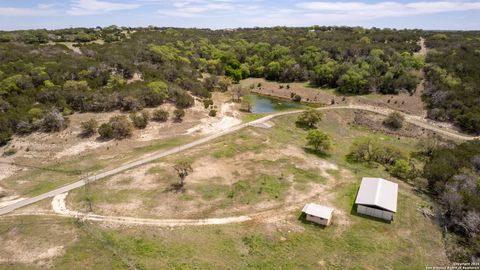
(377, 197)
(318, 213)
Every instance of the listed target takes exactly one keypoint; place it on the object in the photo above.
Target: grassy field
(44, 178)
(285, 241)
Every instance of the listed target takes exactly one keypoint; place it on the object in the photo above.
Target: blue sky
(52, 14)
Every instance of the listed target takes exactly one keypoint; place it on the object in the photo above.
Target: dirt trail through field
(423, 47)
(60, 208)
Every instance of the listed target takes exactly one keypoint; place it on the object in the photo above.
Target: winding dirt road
(415, 120)
(60, 208)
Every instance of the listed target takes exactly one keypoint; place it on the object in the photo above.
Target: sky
(216, 14)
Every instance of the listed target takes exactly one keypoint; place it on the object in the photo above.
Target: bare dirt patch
(374, 122)
(227, 116)
(34, 240)
(135, 78)
(7, 169)
(309, 163)
(147, 191)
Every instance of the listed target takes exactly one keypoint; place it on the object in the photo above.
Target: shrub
(122, 128)
(24, 127)
(89, 127)
(9, 152)
(106, 131)
(118, 127)
(131, 104)
(309, 118)
(152, 98)
(297, 98)
(402, 169)
(140, 120)
(35, 113)
(207, 103)
(160, 115)
(212, 113)
(362, 150)
(179, 114)
(394, 120)
(319, 140)
(183, 99)
(155, 93)
(369, 150)
(224, 83)
(53, 121)
(387, 154)
(5, 135)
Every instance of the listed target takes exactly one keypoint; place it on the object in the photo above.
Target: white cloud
(92, 7)
(362, 10)
(40, 10)
(204, 8)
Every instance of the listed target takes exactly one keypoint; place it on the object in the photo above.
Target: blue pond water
(262, 104)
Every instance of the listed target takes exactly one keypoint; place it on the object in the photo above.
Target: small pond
(263, 104)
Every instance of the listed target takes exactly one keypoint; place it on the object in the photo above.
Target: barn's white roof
(318, 210)
(378, 192)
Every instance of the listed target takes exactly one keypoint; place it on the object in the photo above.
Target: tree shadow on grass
(317, 153)
(176, 188)
(101, 139)
(303, 218)
(304, 126)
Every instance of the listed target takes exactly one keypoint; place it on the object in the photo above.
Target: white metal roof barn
(377, 197)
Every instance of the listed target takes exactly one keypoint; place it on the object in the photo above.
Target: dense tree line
(39, 74)
(453, 88)
(453, 175)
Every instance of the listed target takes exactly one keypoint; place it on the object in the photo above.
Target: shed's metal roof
(378, 192)
(318, 210)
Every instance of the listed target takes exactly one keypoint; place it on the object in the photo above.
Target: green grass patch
(156, 170)
(249, 117)
(211, 191)
(164, 144)
(234, 144)
(125, 181)
(260, 187)
(305, 175)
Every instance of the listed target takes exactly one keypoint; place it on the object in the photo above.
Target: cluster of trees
(394, 120)
(453, 79)
(36, 78)
(319, 141)
(120, 127)
(107, 34)
(309, 118)
(370, 150)
(453, 175)
(375, 72)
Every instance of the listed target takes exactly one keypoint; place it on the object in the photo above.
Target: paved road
(163, 153)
